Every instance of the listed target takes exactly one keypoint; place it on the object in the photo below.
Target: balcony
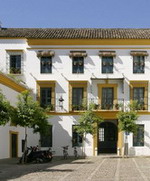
(49, 108)
(141, 104)
(117, 105)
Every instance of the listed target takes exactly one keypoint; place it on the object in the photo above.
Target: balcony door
(77, 98)
(107, 98)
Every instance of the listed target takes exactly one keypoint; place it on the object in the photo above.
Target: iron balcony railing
(98, 105)
(109, 104)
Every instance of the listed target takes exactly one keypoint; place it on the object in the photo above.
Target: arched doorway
(107, 137)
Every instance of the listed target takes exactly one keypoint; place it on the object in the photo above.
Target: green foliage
(5, 109)
(29, 114)
(136, 106)
(127, 119)
(88, 122)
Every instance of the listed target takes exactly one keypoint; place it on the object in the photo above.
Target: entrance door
(108, 134)
(13, 145)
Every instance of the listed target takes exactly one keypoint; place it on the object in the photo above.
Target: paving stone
(91, 169)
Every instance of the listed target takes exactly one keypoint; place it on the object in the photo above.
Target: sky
(75, 13)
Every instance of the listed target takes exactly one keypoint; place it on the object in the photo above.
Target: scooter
(33, 154)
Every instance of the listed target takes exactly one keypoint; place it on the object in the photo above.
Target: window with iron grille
(101, 134)
(107, 98)
(46, 140)
(78, 65)
(46, 64)
(77, 98)
(107, 64)
(76, 137)
(45, 96)
(138, 95)
(138, 64)
(138, 136)
(15, 64)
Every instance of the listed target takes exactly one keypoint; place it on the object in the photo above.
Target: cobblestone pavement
(89, 169)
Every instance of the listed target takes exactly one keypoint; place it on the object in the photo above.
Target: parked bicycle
(65, 152)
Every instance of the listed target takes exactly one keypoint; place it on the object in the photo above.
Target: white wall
(62, 135)
(141, 150)
(33, 139)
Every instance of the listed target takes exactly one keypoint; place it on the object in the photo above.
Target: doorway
(13, 144)
(108, 137)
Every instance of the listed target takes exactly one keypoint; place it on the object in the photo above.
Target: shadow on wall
(60, 90)
(87, 142)
(62, 135)
(89, 60)
(118, 61)
(132, 151)
(146, 134)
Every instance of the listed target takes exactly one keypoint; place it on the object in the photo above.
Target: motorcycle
(33, 154)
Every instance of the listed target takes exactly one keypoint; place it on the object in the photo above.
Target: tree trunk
(24, 157)
(126, 144)
(84, 146)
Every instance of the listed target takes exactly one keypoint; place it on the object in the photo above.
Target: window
(138, 137)
(77, 98)
(46, 64)
(107, 98)
(76, 137)
(77, 95)
(107, 64)
(78, 64)
(138, 95)
(139, 92)
(46, 95)
(46, 140)
(15, 64)
(138, 64)
(101, 134)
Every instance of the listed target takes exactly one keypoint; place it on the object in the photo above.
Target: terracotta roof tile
(75, 33)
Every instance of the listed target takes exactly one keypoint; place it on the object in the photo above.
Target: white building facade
(12, 137)
(67, 68)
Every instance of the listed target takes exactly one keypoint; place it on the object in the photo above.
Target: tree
(5, 109)
(88, 123)
(29, 114)
(127, 122)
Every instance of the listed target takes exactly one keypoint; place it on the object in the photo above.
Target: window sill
(138, 73)
(108, 73)
(46, 73)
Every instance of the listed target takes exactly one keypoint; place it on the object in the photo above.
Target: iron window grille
(47, 140)
(46, 64)
(138, 136)
(107, 64)
(138, 64)
(78, 64)
(76, 137)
